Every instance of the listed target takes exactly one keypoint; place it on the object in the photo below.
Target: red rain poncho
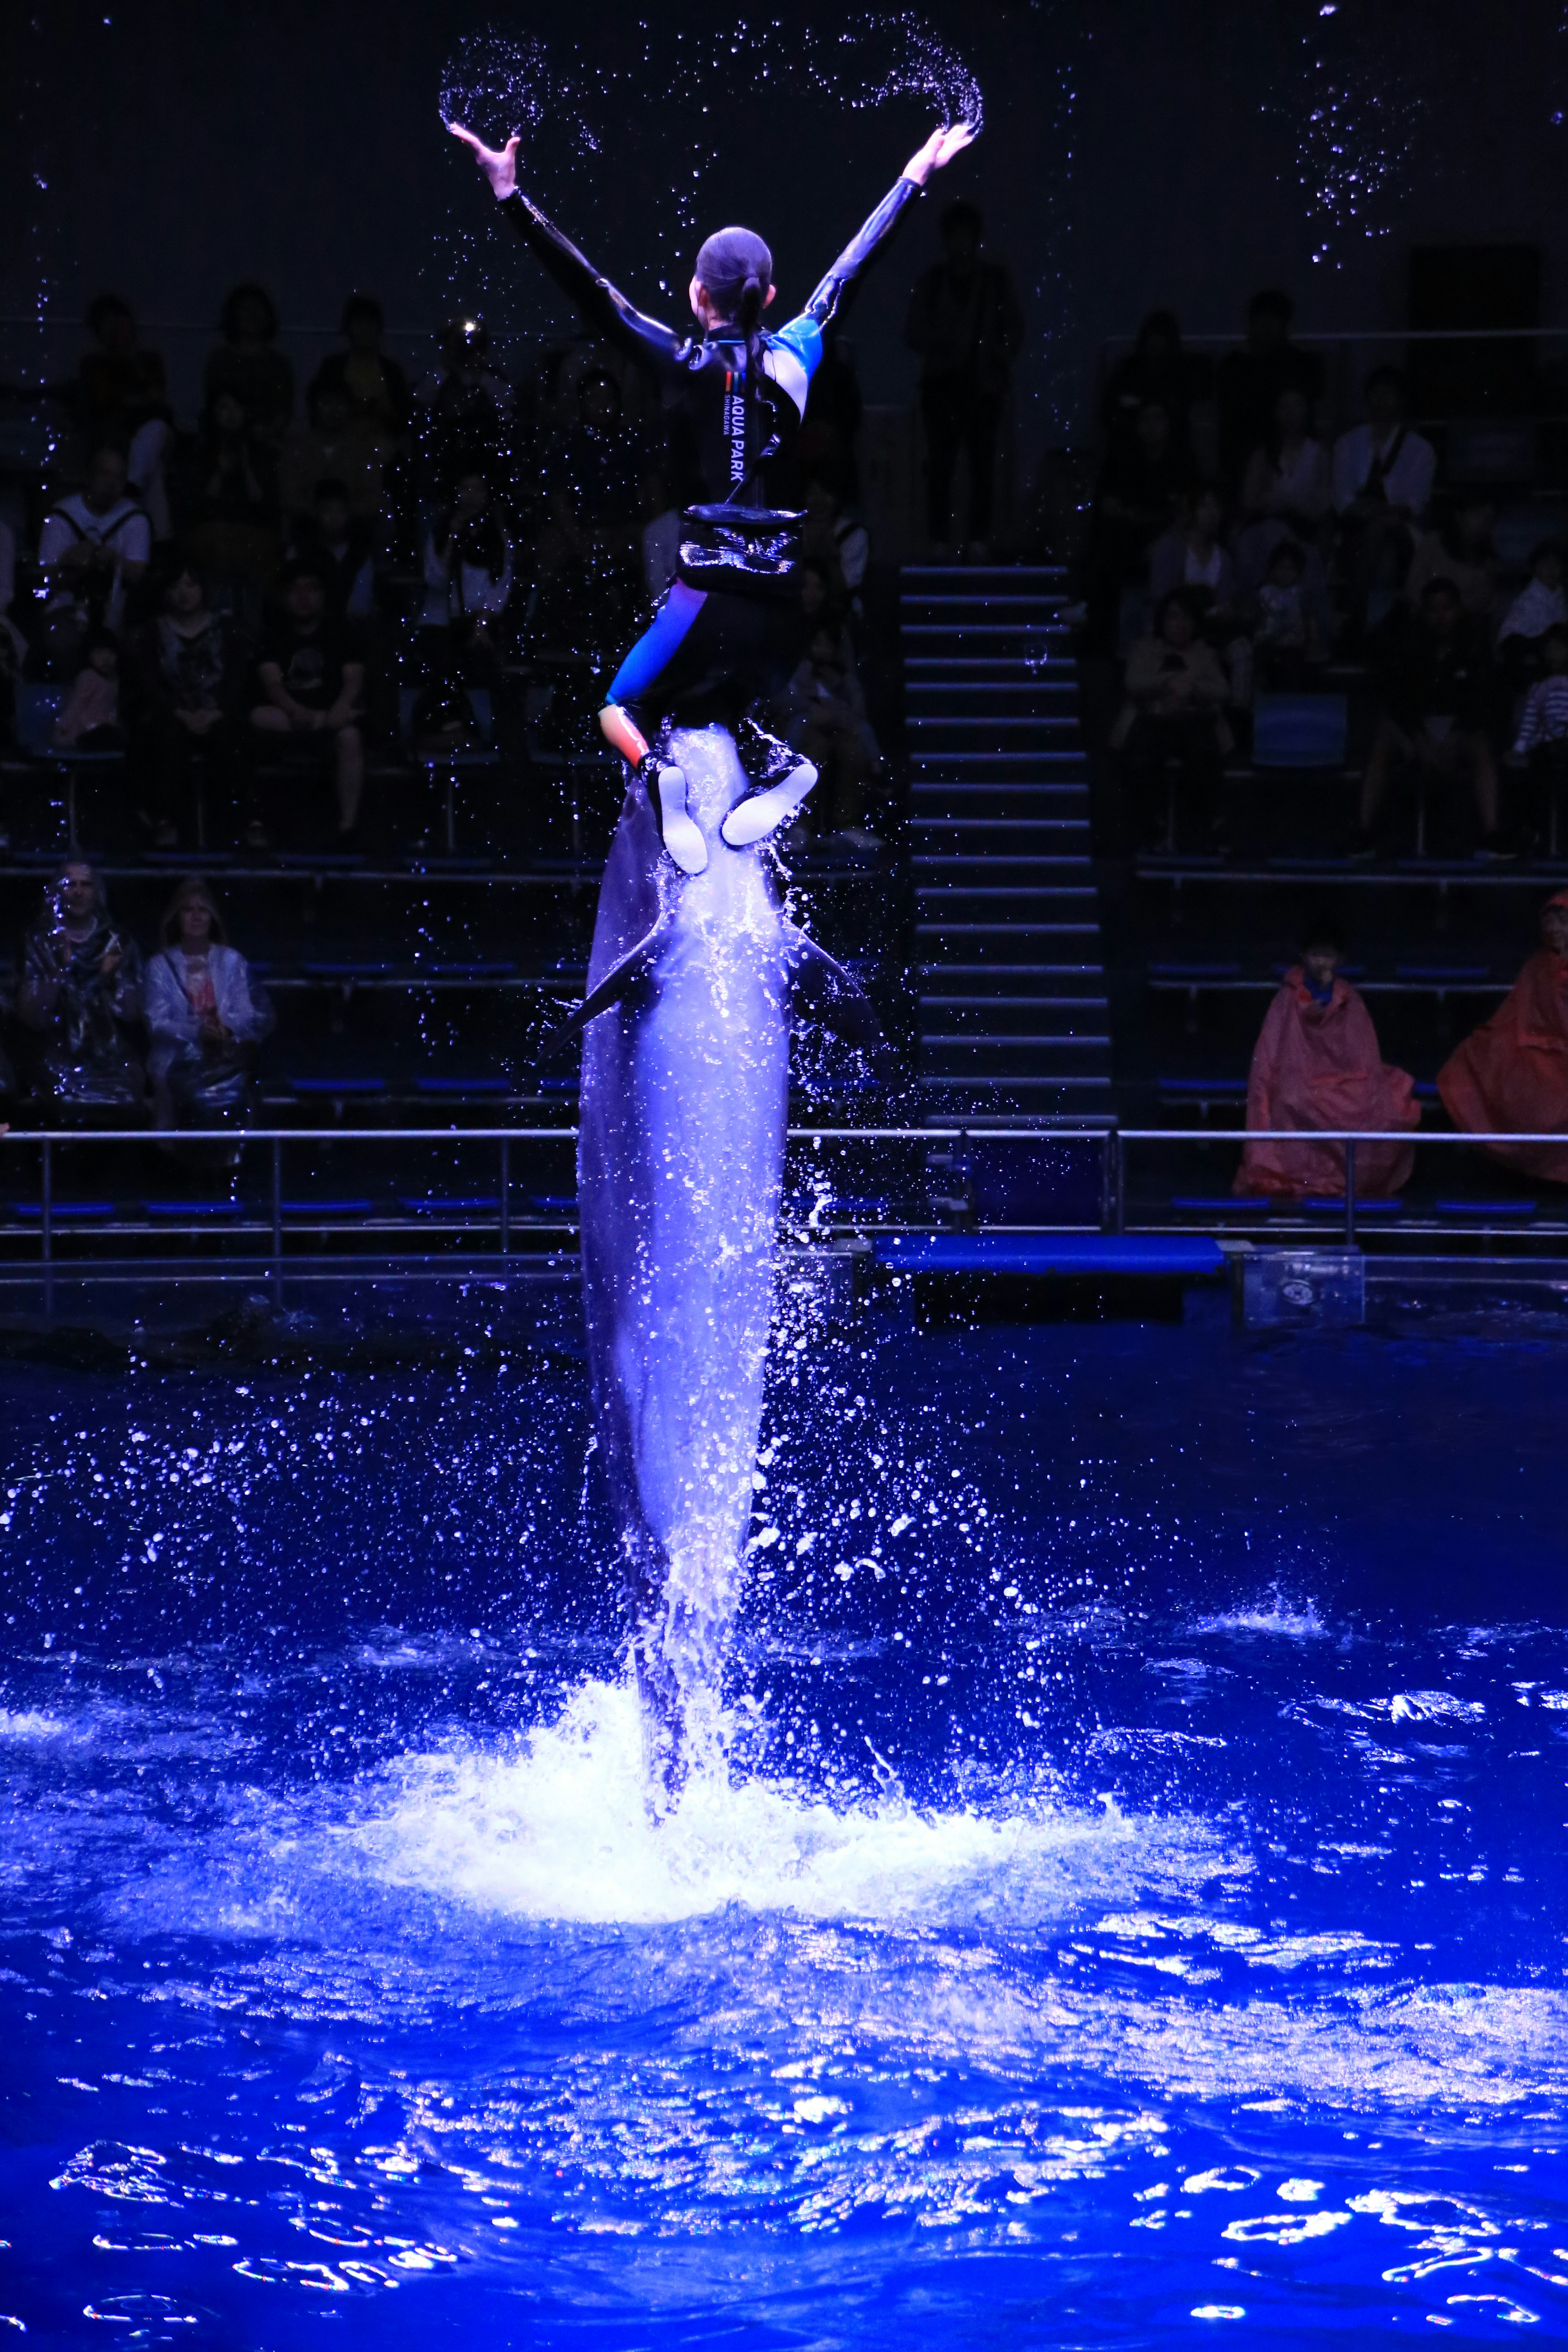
(1318, 1065)
(1511, 1076)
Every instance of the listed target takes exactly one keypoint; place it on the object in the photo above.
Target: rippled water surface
(1134, 1911)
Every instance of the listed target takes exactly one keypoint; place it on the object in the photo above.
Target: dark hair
(106, 447)
(304, 567)
(1159, 322)
(96, 641)
(1322, 930)
(1440, 585)
(1290, 547)
(191, 888)
(1387, 374)
(1271, 302)
(1185, 599)
(107, 306)
(248, 290)
(737, 269)
(362, 306)
(173, 563)
(962, 213)
(331, 487)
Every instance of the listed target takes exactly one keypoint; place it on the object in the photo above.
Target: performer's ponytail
(748, 318)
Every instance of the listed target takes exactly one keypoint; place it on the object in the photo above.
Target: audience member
(81, 1000)
(837, 539)
(331, 446)
(1538, 606)
(90, 716)
(1143, 484)
(374, 385)
(231, 508)
(825, 721)
(122, 398)
(312, 675)
(1287, 638)
(1509, 1076)
(189, 673)
(94, 547)
(206, 1015)
(1193, 555)
(1174, 713)
(830, 429)
(467, 579)
(1461, 549)
(966, 323)
(1248, 382)
(464, 408)
(1435, 680)
(344, 545)
(1156, 369)
(1286, 479)
(1317, 1064)
(248, 363)
(1382, 479)
(1540, 743)
(592, 469)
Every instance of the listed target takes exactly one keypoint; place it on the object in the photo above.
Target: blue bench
(1517, 1213)
(1051, 1253)
(452, 1204)
(461, 1087)
(336, 1087)
(65, 1213)
(189, 1212)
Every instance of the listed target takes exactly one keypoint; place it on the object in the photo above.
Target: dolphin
(693, 980)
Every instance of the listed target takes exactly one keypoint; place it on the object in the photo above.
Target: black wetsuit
(730, 615)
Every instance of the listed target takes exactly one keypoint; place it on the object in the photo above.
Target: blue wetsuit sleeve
(866, 242)
(802, 336)
(656, 646)
(605, 310)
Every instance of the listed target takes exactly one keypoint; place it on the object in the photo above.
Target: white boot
(679, 832)
(760, 813)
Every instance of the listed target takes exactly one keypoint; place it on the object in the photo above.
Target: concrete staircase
(1013, 1011)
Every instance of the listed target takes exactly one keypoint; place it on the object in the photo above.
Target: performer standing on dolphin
(740, 392)
(693, 976)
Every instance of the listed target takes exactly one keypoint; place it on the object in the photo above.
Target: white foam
(1272, 1614)
(561, 1831)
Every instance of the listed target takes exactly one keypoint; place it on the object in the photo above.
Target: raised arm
(948, 140)
(606, 311)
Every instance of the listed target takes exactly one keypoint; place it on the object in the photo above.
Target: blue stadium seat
(1300, 730)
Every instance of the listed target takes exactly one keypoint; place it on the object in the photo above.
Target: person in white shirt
(94, 546)
(467, 563)
(205, 1014)
(1383, 467)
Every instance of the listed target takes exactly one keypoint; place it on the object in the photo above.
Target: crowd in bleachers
(1245, 544)
(270, 625)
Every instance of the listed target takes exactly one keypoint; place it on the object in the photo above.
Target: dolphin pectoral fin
(825, 990)
(619, 981)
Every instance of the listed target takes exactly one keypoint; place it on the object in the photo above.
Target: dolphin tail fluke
(827, 991)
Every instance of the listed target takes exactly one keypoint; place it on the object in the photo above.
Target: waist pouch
(744, 551)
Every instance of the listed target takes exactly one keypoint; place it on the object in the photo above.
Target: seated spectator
(205, 1014)
(80, 999)
(331, 446)
(312, 675)
(374, 385)
(592, 470)
(1248, 382)
(1382, 479)
(468, 575)
(122, 398)
(1286, 640)
(1193, 554)
(825, 721)
(1541, 744)
(1461, 549)
(185, 692)
(1511, 1076)
(1435, 681)
(1538, 606)
(1156, 369)
(90, 716)
(1317, 1064)
(1286, 481)
(94, 548)
(230, 507)
(1174, 711)
(248, 363)
(835, 539)
(1139, 495)
(344, 545)
(466, 407)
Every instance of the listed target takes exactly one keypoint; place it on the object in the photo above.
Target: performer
(740, 392)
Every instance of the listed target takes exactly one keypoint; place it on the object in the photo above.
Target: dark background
(1135, 151)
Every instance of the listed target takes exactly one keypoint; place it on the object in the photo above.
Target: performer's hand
(500, 168)
(948, 140)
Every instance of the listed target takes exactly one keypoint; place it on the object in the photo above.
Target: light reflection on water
(1195, 1949)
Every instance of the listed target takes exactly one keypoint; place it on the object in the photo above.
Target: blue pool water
(1134, 1916)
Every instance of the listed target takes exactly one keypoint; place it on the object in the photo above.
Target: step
(964, 669)
(1043, 724)
(1024, 972)
(986, 1021)
(979, 828)
(999, 795)
(941, 864)
(1005, 572)
(1010, 932)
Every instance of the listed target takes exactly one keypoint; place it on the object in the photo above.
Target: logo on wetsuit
(735, 427)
